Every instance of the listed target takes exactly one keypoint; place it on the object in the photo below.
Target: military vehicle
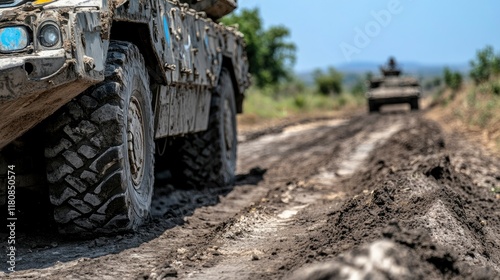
(392, 88)
(93, 92)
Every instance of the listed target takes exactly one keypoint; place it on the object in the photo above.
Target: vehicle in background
(392, 88)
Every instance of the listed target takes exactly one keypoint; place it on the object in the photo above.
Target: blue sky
(335, 32)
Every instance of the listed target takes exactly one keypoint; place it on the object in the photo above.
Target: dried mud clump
(415, 216)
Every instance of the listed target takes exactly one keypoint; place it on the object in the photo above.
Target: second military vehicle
(392, 88)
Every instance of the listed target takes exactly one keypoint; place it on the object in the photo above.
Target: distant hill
(412, 68)
(354, 70)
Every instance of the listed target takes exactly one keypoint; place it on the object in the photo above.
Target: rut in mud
(388, 196)
(417, 191)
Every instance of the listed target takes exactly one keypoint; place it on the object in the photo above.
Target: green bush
(485, 65)
(270, 53)
(300, 101)
(329, 83)
(452, 79)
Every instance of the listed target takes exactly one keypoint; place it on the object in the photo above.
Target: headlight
(13, 38)
(42, 2)
(49, 35)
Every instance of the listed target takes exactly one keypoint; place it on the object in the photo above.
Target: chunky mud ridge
(384, 196)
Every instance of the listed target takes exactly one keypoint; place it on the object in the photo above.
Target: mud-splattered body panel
(391, 88)
(185, 52)
(394, 87)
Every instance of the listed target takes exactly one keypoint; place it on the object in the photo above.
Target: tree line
(484, 67)
(272, 55)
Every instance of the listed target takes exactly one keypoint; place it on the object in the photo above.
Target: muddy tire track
(385, 195)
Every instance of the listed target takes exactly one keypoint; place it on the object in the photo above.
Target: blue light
(13, 38)
(166, 29)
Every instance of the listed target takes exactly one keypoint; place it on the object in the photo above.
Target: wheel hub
(135, 141)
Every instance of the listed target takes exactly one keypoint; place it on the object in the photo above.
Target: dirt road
(389, 196)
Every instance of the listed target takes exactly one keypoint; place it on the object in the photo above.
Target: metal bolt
(169, 67)
(186, 71)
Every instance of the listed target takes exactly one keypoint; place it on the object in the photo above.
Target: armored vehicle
(95, 94)
(392, 88)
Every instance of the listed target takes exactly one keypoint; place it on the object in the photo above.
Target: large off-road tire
(100, 150)
(208, 158)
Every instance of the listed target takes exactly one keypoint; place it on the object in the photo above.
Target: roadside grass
(477, 107)
(481, 107)
(277, 103)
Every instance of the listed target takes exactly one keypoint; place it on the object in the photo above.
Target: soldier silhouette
(391, 69)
